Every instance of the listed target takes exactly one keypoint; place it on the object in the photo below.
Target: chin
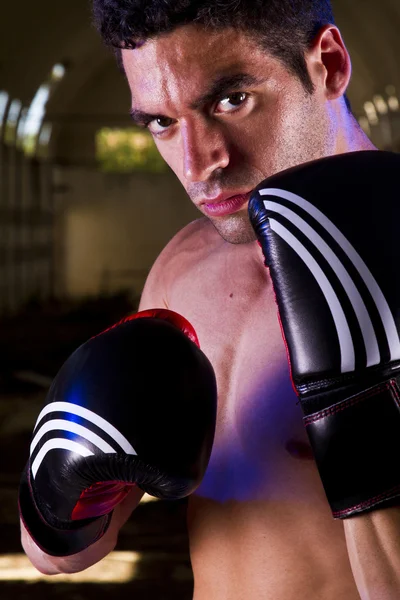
(235, 229)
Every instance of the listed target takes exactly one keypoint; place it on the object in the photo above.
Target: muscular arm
(152, 297)
(173, 261)
(373, 543)
(350, 409)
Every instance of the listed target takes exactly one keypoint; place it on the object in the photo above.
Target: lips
(221, 206)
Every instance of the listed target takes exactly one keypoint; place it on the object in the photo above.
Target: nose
(205, 149)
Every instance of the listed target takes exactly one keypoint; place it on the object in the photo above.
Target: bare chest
(260, 439)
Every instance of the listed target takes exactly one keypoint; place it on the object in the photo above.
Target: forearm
(53, 565)
(373, 543)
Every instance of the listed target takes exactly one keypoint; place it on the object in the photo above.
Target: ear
(329, 63)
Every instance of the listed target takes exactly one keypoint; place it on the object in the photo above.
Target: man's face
(225, 115)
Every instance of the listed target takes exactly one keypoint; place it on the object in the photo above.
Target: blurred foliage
(126, 150)
(29, 144)
(10, 133)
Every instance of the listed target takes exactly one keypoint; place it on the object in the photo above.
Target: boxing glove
(329, 232)
(134, 405)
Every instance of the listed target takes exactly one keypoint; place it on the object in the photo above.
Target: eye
(159, 125)
(232, 102)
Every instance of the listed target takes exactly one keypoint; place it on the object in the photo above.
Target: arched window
(4, 98)
(30, 134)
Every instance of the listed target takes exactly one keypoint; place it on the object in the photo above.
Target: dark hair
(285, 28)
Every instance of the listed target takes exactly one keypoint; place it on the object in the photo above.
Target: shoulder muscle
(173, 261)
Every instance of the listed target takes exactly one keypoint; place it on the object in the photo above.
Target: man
(233, 93)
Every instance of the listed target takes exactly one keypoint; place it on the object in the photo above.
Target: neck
(350, 137)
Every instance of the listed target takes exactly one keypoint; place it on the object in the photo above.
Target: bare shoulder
(192, 245)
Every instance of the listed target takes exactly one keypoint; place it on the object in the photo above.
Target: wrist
(123, 510)
(354, 442)
(55, 565)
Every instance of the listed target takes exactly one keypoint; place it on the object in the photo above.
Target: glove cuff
(356, 445)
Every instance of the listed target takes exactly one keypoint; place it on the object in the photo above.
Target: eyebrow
(220, 86)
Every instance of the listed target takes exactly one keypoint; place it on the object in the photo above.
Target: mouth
(224, 205)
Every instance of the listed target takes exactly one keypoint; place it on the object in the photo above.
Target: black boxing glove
(329, 231)
(135, 405)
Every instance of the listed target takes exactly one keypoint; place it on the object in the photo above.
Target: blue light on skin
(263, 454)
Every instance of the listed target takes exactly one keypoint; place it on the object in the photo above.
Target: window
(126, 150)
